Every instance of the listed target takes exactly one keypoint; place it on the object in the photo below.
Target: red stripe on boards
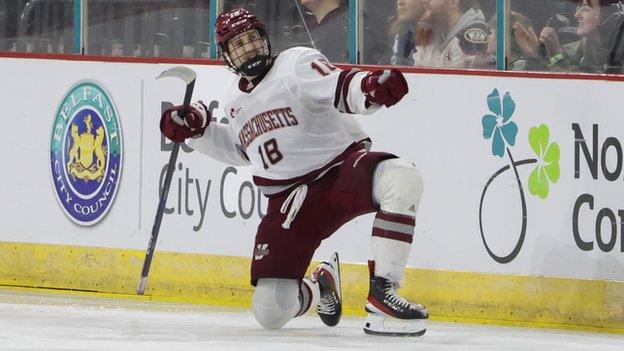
(363, 67)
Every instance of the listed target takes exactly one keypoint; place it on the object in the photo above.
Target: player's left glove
(384, 87)
(192, 126)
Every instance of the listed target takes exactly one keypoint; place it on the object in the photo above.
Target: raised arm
(349, 91)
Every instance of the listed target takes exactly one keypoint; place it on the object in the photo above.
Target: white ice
(43, 321)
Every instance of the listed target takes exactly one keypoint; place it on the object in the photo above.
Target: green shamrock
(547, 170)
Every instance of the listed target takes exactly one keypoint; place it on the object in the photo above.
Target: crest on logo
(82, 164)
(86, 153)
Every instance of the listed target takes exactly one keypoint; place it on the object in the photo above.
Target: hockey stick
(188, 76)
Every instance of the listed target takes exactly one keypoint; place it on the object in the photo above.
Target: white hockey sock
(391, 242)
(397, 189)
(309, 295)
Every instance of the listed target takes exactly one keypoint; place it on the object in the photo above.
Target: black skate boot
(328, 277)
(391, 314)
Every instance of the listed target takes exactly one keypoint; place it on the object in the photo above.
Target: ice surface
(43, 321)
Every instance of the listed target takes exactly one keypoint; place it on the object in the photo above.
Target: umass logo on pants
(86, 153)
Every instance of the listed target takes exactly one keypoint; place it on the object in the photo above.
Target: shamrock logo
(497, 125)
(547, 170)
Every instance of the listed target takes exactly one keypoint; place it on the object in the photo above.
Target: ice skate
(391, 314)
(328, 277)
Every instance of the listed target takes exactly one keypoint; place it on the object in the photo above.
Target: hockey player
(291, 119)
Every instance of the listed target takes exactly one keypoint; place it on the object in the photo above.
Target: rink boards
(83, 159)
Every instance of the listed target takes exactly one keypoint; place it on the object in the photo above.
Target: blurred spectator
(521, 55)
(542, 11)
(375, 43)
(598, 22)
(403, 29)
(329, 30)
(452, 34)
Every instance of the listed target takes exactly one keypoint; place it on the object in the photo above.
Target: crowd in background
(542, 35)
(582, 36)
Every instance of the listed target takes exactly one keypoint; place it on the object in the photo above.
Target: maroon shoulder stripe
(341, 101)
(345, 90)
(338, 93)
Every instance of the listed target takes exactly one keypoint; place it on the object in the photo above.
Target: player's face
(245, 46)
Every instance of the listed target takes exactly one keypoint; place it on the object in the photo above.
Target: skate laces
(295, 199)
(391, 291)
(327, 305)
(327, 302)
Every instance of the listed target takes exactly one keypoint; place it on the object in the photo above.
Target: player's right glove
(193, 125)
(384, 87)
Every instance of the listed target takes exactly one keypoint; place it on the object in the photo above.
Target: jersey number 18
(271, 151)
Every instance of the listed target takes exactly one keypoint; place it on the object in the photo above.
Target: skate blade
(377, 324)
(336, 264)
(334, 261)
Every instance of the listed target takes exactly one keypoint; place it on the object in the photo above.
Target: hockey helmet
(230, 24)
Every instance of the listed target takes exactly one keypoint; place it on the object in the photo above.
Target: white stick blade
(142, 286)
(184, 73)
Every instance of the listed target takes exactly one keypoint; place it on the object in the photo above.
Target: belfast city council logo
(86, 153)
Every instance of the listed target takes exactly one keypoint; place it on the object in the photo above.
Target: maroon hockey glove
(385, 87)
(192, 126)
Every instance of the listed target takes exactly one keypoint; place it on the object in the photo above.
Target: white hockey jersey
(292, 123)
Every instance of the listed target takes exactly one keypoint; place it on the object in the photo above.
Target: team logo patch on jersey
(261, 251)
(234, 112)
(86, 153)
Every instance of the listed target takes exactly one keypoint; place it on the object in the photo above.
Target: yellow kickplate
(224, 281)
